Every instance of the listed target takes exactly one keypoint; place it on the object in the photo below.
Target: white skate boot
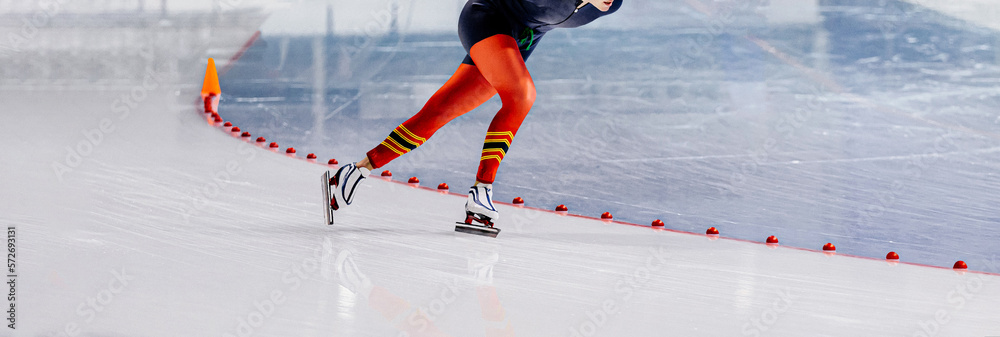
(479, 208)
(339, 190)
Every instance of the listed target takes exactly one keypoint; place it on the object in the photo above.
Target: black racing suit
(524, 20)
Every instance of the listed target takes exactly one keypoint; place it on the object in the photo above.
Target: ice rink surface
(871, 127)
(840, 121)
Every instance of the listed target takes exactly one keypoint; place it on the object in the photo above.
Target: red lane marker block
(211, 102)
(413, 181)
(245, 135)
(443, 186)
(829, 249)
(273, 146)
(228, 124)
(261, 140)
(562, 209)
(332, 162)
(387, 175)
(217, 118)
(892, 258)
(290, 150)
(607, 216)
(771, 242)
(311, 156)
(712, 233)
(518, 201)
(658, 223)
(960, 267)
(235, 129)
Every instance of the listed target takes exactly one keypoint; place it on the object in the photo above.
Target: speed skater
(499, 36)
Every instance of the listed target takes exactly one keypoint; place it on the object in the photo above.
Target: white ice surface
(207, 228)
(979, 12)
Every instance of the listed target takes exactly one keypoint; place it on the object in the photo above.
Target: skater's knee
(528, 93)
(521, 94)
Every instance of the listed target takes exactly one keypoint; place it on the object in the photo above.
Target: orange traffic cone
(210, 90)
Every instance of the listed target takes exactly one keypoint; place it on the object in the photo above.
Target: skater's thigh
(498, 60)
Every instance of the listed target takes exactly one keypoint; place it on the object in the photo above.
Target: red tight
(500, 70)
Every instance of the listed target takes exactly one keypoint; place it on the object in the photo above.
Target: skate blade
(477, 229)
(325, 184)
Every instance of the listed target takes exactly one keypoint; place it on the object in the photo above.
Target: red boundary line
(693, 233)
(239, 54)
(389, 179)
(256, 35)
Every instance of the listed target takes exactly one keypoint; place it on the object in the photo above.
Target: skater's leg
(464, 91)
(500, 61)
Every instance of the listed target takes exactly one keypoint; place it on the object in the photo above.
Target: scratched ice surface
(872, 126)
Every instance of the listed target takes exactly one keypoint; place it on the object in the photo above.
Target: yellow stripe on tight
(401, 147)
(393, 148)
(508, 134)
(420, 139)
